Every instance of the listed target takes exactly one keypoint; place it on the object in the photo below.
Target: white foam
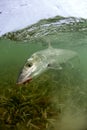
(18, 14)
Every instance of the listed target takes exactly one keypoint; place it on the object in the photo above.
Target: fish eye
(29, 64)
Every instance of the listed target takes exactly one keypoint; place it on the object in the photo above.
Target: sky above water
(18, 14)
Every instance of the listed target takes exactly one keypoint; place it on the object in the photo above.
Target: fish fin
(49, 43)
(71, 65)
(56, 67)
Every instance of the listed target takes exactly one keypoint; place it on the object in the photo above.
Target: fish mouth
(20, 82)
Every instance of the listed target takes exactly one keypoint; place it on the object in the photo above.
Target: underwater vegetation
(42, 103)
(30, 106)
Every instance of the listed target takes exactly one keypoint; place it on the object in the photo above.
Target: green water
(67, 89)
(13, 55)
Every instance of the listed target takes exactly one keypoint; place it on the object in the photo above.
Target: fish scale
(42, 60)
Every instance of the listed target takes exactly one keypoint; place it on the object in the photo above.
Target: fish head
(33, 67)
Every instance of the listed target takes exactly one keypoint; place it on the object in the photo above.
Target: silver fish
(40, 61)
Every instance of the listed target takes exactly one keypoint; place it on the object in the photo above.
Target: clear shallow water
(67, 88)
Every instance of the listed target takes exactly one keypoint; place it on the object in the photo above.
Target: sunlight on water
(57, 99)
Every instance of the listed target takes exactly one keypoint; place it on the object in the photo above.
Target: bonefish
(39, 62)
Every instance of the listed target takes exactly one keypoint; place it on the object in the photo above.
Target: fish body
(40, 61)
